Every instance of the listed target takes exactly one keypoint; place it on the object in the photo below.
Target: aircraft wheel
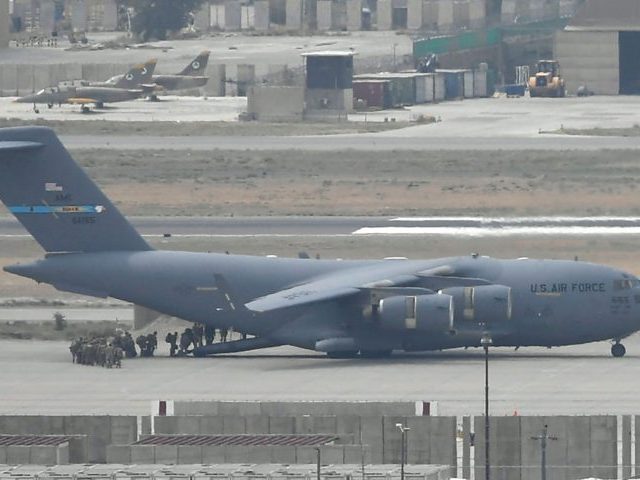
(375, 353)
(100, 105)
(85, 109)
(345, 354)
(618, 350)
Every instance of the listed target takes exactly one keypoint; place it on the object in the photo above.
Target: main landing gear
(618, 350)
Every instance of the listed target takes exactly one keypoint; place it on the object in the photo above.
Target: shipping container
(468, 84)
(374, 93)
(403, 89)
(439, 87)
(453, 83)
(480, 83)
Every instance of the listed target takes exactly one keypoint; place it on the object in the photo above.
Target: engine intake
(434, 312)
(481, 304)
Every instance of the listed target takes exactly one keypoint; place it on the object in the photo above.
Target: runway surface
(364, 142)
(38, 378)
(336, 226)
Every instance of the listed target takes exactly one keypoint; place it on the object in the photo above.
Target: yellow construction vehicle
(547, 82)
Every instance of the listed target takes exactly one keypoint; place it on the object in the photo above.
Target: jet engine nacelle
(417, 312)
(481, 304)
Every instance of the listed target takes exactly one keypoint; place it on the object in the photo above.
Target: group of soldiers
(109, 351)
(196, 336)
(99, 351)
(147, 344)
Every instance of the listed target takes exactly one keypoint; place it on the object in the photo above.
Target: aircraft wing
(345, 285)
(301, 295)
(80, 100)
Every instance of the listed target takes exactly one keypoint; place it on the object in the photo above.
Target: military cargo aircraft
(343, 308)
(131, 87)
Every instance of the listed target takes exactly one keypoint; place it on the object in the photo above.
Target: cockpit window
(625, 283)
(41, 92)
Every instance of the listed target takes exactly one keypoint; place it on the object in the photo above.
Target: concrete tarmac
(38, 378)
(318, 226)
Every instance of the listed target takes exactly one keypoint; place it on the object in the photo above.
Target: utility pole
(403, 451)
(485, 341)
(542, 438)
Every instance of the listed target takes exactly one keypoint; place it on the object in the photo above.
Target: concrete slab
(44, 454)
(261, 22)
(257, 424)
(189, 454)
(212, 425)
(331, 454)
(187, 425)
(282, 425)
(372, 435)
(281, 454)
(17, 454)
(124, 430)
(392, 438)
(143, 454)
(213, 454)
(118, 454)
(168, 455)
(604, 453)
(233, 425)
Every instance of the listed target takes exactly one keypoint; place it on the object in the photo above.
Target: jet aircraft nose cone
(24, 270)
(27, 99)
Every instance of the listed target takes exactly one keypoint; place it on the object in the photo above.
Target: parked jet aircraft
(133, 79)
(130, 87)
(343, 308)
(191, 77)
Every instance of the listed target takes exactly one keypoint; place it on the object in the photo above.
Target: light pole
(485, 341)
(403, 451)
(394, 56)
(317, 463)
(543, 437)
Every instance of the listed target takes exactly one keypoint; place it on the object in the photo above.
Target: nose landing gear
(618, 350)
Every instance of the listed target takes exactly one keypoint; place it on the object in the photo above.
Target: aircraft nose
(26, 99)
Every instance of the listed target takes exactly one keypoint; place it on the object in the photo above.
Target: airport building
(4, 23)
(599, 48)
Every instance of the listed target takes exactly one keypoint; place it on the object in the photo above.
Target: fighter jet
(368, 308)
(130, 87)
(137, 76)
(191, 77)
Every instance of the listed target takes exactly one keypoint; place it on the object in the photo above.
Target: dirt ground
(367, 183)
(108, 127)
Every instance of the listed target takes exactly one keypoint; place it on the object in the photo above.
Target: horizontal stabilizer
(19, 146)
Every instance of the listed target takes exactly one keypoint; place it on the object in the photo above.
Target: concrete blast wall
(578, 447)
(294, 408)
(4, 23)
(431, 440)
(589, 58)
(90, 434)
(276, 104)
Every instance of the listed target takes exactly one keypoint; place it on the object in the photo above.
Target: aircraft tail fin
(198, 65)
(137, 75)
(55, 200)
